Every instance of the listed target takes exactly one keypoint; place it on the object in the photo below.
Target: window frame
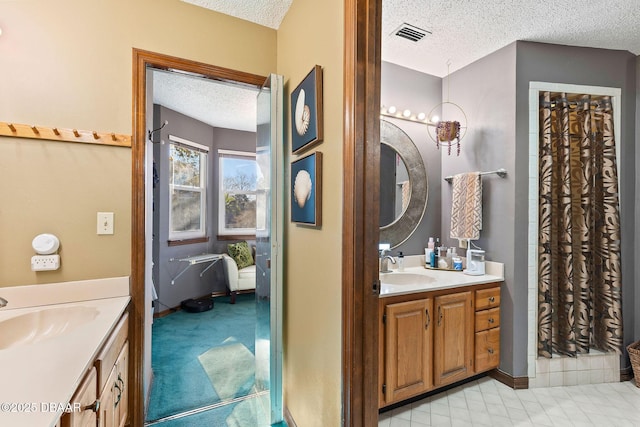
(223, 231)
(203, 151)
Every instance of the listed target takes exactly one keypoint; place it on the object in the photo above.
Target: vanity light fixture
(404, 114)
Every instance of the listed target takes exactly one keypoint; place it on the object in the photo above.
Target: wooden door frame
(141, 61)
(361, 156)
(360, 287)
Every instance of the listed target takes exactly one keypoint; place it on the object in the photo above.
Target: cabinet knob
(492, 299)
(490, 350)
(94, 407)
(491, 320)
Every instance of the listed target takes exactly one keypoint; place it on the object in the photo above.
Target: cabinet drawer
(109, 354)
(85, 397)
(487, 319)
(487, 298)
(487, 349)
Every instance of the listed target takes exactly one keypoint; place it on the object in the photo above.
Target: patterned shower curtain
(579, 277)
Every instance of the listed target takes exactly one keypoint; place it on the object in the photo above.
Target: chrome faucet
(384, 261)
(3, 302)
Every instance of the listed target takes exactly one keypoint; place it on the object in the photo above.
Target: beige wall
(312, 33)
(67, 64)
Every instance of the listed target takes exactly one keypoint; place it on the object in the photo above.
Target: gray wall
(636, 335)
(486, 91)
(494, 92)
(189, 284)
(418, 92)
(583, 66)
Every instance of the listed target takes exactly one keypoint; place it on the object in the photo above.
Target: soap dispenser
(400, 261)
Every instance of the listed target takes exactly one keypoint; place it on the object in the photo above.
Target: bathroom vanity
(436, 328)
(63, 349)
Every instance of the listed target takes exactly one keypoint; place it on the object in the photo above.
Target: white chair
(238, 280)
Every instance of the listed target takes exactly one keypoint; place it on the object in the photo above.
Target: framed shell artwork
(306, 190)
(306, 112)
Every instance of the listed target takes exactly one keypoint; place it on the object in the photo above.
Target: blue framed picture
(306, 112)
(306, 190)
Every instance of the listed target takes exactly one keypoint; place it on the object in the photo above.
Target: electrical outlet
(462, 243)
(105, 222)
(45, 262)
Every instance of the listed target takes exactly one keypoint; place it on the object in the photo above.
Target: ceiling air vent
(410, 32)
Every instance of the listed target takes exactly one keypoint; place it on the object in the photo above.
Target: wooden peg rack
(67, 135)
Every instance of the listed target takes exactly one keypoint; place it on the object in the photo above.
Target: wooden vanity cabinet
(103, 394)
(428, 340)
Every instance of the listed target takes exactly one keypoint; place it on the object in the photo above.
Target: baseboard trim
(516, 383)
(288, 418)
(626, 374)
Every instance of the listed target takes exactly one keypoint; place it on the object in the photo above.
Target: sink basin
(398, 278)
(36, 326)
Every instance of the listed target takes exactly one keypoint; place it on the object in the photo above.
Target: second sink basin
(35, 326)
(400, 278)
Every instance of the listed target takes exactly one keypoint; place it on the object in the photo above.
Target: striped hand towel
(466, 206)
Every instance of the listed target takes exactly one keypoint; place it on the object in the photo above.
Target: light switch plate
(105, 223)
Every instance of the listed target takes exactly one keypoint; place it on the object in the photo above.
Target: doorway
(141, 288)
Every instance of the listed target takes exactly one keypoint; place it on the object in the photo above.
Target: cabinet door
(453, 341)
(122, 405)
(487, 349)
(114, 398)
(408, 338)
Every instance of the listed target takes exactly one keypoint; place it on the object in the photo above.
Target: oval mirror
(405, 196)
(395, 188)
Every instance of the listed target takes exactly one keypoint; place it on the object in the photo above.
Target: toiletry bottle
(400, 261)
(428, 251)
(434, 259)
(442, 258)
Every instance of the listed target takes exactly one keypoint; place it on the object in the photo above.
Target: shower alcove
(596, 366)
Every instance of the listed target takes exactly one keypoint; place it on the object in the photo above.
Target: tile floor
(487, 402)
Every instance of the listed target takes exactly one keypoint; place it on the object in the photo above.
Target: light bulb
(422, 116)
(435, 119)
(392, 110)
(406, 113)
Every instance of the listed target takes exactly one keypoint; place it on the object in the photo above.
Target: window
(237, 200)
(187, 189)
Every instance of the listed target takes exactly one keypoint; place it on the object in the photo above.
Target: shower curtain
(579, 277)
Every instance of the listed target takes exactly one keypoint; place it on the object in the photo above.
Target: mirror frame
(404, 226)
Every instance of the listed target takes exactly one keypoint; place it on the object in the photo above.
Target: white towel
(466, 206)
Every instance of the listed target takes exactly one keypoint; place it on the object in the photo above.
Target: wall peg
(56, 131)
(95, 135)
(76, 133)
(12, 127)
(35, 130)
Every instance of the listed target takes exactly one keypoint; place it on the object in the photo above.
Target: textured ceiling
(264, 12)
(462, 31)
(215, 103)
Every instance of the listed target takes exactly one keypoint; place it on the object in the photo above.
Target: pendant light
(451, 126)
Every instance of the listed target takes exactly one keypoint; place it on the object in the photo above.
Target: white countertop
(439, 279)
(44, 375)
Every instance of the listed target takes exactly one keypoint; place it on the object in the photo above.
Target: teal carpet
(180, 381)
